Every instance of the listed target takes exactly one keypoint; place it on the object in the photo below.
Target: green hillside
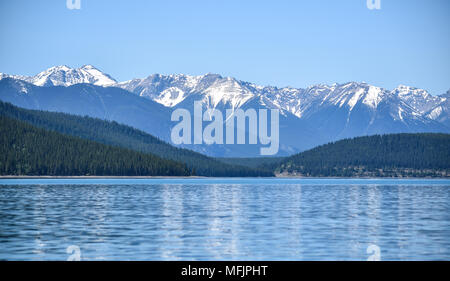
(112, 133)
(397, 155)
(26, 150)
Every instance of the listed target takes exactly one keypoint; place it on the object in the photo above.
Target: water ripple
(223, 221)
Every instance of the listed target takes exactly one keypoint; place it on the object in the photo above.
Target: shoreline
(98, 177)
(202, 177)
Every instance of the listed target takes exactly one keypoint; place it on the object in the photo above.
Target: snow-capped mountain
(214, 90)
(419, 99)
(66, 76)
(309, 117)
(441, 111)
(170, 90)
(108, 103)
(322, 112)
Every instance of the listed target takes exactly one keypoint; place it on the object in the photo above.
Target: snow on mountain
(17, 85)
(321, 113)
(435, 113)
(171, 97)
(308, 117)
(66, 76)
(17, 77)
(348, 95)
(337, 110)
(214, 90)
(170, 90)
(402, 104)
(441, 111)
(419, 99)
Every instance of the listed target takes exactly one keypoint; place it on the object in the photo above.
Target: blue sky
(281, 43)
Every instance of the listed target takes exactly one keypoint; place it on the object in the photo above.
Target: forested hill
(397, 155)
(26, 150)
(112, 133)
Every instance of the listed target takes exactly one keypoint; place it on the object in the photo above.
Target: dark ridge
(27, 150)
(113, 133)
(395, 155)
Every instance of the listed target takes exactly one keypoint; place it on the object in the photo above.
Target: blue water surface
(225, 219)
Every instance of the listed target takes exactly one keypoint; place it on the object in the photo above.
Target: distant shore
(200, 177)
(98, 177)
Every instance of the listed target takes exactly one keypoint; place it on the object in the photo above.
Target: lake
(224, 219)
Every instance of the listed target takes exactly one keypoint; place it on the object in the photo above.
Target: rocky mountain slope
(308, 117)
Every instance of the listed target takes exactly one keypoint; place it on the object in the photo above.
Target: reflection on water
(224, 221)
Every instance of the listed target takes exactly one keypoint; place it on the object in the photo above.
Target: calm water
(225, 219)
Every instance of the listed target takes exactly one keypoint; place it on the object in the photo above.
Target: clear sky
(282, 43)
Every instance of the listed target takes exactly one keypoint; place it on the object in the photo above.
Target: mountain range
(308, 117)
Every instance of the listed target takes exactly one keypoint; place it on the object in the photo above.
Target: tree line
(26, 150)
(115, 134)
(414, 155)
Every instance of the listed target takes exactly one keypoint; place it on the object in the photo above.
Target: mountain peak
(59, 67)
(63, 75)
(88, 66)
(212, 88)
